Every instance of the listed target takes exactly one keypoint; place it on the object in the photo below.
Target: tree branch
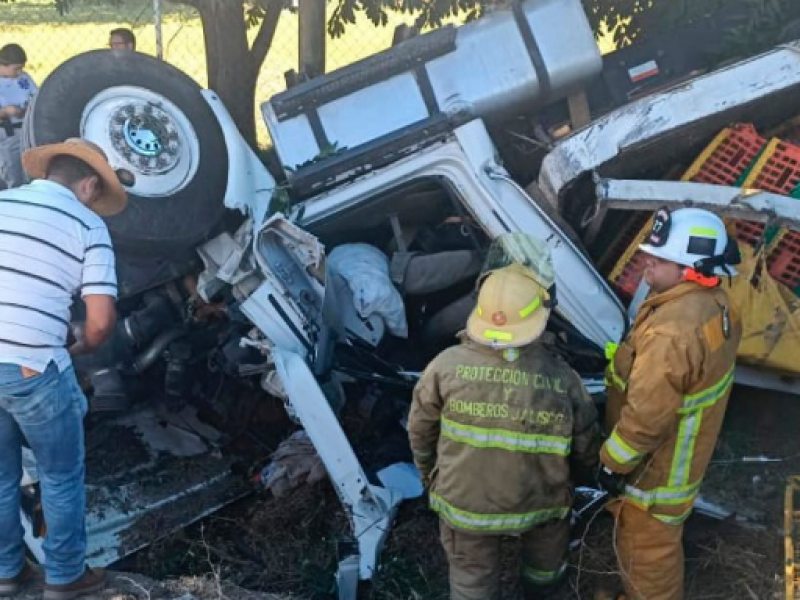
(266, 33)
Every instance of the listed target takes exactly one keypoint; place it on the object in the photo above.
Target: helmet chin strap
(706, 267)
(696, 276)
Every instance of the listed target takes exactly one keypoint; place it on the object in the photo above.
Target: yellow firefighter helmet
(512, 309)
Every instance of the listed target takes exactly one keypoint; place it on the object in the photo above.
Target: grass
(50, 39)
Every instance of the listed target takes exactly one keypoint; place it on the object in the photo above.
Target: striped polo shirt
(51, 248)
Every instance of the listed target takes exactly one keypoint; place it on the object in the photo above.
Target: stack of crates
(778, 171)
(726, 161)
(738, 156)
(783, 261)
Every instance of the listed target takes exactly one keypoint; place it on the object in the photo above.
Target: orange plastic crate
(727, 158)
(748, 232)
(725, 162)
(783, 262)
(629, 278)
(777, 170)
(773, 167)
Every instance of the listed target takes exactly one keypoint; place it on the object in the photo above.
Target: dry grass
(289, 546)
(735, 563)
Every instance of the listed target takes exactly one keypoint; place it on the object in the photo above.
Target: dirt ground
(289, 546)
(131, 586)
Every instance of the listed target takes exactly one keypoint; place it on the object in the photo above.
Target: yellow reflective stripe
(667, 495)
(514, 441)
(672, 519)
(613, 379)
(684, 448)
(544, 577)
(502, 336)
(689, 429)
(621, 451)
(528, 310)
(709, 396)
(704, 231)
(462, 519)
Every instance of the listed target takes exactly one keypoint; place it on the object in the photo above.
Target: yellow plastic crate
(791, 527)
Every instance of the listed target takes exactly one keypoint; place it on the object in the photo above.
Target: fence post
(312, 37)
(159, 33)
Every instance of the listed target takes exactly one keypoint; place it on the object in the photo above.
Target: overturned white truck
(402, 154)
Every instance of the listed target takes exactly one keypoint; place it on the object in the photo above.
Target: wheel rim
(145, 133)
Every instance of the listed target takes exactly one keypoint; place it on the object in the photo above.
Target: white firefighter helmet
(694, 238)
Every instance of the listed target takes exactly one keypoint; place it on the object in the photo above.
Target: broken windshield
(522, 249)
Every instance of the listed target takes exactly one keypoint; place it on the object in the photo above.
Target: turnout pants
(650, 554)
(475, 559)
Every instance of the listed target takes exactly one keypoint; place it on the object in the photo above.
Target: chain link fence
(49, 39)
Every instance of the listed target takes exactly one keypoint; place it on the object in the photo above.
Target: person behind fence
(668, 387)
(499, 427)
(53, 245)
(16, 90)
(122, 39)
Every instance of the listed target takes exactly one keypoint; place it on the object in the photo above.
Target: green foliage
(429, 13)
(755, 25)
(759, 25)
(281, 201)
(763, 26)
(255, 11)
(62, 6)
(329, 151)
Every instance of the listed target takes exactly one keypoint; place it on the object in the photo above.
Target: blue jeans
(47, 409)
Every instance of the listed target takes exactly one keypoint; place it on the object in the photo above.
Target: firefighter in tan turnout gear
(668, 386)
(495, 426)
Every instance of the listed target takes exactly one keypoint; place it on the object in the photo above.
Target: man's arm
(661, 372)
(101, 316)
(99, 291)
(424, 422)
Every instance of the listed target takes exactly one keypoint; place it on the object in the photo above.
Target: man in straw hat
(53, 244)
(495, 425)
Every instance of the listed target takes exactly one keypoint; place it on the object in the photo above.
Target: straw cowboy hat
(512, 309)
(113, 197)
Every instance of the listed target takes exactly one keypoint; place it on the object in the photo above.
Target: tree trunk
(231, 70)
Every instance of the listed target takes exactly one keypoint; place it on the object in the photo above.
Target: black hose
(153, 352)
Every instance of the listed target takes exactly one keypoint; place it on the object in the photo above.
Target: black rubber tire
(149, 225)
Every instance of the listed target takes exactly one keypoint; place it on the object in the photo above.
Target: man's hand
(426, 481)
(611, 482)
(12, 111)
(78, 348)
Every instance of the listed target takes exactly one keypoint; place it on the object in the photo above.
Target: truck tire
(150, 119)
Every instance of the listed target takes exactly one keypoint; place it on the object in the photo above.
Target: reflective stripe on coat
(668, 385)
(496, 438)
